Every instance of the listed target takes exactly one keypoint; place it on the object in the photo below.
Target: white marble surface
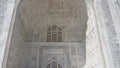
(5, 25)
(6, 11)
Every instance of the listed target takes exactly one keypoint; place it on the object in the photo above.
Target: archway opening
(46, 30)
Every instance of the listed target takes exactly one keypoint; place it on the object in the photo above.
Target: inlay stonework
(23, 34)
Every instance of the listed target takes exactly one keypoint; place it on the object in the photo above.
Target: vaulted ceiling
(69, 14)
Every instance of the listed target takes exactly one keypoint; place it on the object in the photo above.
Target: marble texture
(106, 15)
(104, 20)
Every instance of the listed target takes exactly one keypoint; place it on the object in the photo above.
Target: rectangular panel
(52, 51)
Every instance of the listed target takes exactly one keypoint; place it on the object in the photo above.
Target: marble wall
(6, 10)
(68, 54)
(108, 18)
(16, 46)
(30, 20)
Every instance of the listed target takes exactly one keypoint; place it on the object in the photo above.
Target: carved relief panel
(53, 54)
(50, 55)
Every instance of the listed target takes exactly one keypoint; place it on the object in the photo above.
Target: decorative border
(111, 33)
